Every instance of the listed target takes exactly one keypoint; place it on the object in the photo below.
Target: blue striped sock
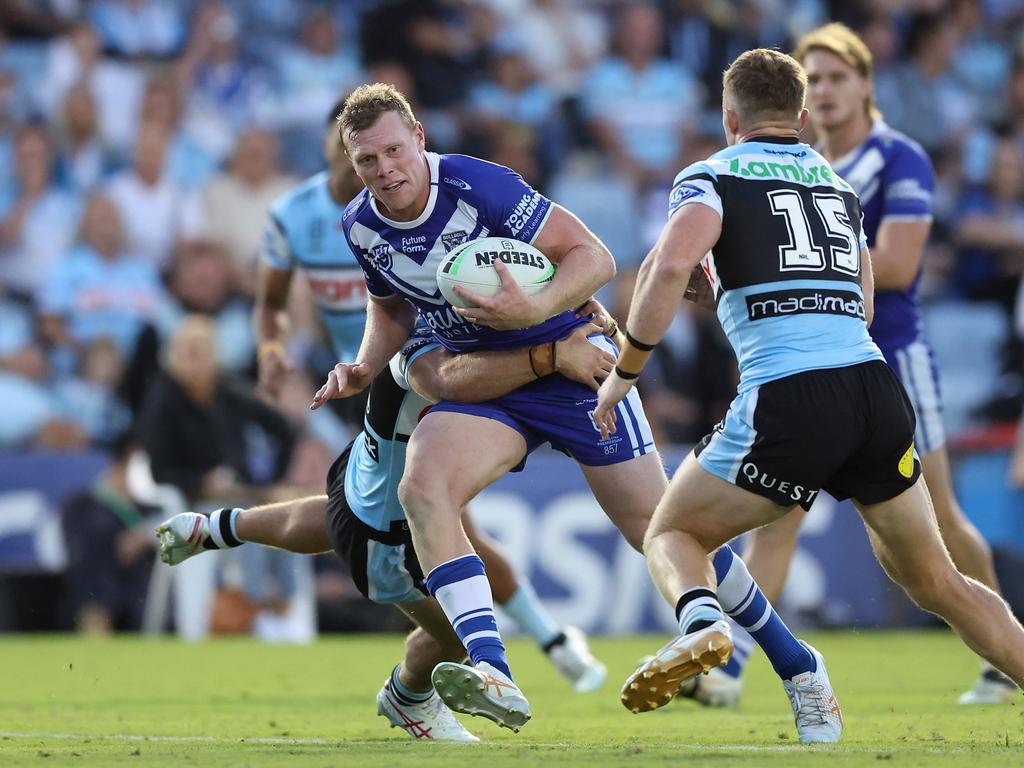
(744, 601)
(461, 587)
(742, 646)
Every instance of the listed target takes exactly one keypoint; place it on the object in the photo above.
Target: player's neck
(768, 129)
(842, 139)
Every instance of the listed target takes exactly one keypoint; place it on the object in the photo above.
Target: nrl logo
(452, 240)
(380, 256)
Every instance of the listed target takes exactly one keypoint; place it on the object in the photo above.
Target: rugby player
(894, 180)
(361, 519)
(417, 206)
(778, 236)
(304, 232)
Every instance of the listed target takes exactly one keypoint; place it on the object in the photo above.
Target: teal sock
(404, 694)
(532, 617)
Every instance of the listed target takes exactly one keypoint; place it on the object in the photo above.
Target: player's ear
(804, 116)
(421, 139)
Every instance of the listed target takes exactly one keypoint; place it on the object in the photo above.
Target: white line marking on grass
(317, 742)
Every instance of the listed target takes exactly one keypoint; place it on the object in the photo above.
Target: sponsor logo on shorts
(802, 301)
(906, 465)
(798, 494)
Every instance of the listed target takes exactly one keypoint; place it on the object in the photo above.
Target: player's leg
(408, 699)
(972, 556)
(906, 540)
(297, 526)
(452, 457)
(566, 647)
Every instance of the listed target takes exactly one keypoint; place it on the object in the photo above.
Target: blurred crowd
(143, 141)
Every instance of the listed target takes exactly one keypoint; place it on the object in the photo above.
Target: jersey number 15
(801, 252)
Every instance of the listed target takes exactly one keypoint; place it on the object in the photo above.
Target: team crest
(683, 192)
(380, 257)
(451, 240)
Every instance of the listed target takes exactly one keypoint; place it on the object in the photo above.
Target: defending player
(366, 527)
(304, 232)
(777, 234)
(418, 206)
(894, 180)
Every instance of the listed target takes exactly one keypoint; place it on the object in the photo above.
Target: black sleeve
(246, 408)
(165, 443)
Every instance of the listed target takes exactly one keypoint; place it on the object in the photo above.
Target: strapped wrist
(543, 359)
(269, 346)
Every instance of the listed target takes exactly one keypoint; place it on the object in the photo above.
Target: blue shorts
(915, 366)
(558, 411)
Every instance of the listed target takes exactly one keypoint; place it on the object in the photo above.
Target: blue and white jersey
(377, 460)
(894, 180)
(304, 231)
(469, 199)
(786, 268)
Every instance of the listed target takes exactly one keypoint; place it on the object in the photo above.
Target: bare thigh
(629, 492)
(710, 509)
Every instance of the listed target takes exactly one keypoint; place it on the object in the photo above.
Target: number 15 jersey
(786, 267)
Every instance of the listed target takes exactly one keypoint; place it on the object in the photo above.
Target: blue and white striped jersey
(894, 180)
(469, 199)
(786, 268)
(304, 231)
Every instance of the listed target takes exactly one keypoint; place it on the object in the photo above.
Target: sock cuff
(693, 594)
(558, 639)
(222, 528)
(404, 694)
(451, 571)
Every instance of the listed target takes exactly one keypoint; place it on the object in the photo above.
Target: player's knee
(934, 589)
(417, 492)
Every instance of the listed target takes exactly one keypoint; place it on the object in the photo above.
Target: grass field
(130, 701)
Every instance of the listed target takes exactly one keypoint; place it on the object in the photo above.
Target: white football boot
(481, 690)
(182, 536)
(431, 720)
(573, 659)
(819, 720)
(715, 689)
(992, 687)
(656, 681)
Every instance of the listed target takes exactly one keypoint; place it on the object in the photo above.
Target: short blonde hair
(764, 82)
(842, 42)
(367, 103)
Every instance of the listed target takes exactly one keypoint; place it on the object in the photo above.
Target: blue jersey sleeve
(376, 285)
(509, 206)
(908, 183)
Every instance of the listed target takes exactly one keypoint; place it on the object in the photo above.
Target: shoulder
(466, 174)
(899, 149)
(297, 197)
(355, 209)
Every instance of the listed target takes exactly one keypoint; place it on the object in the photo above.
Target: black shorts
(847, 430)
(383, 564)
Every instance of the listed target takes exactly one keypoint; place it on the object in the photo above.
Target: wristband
(639, 344)
(624, 375)
(268, 346)
(634, 354)
(542, 359)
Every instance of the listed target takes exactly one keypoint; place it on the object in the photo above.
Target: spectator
(38, 223)
(83, 159)
(188, 162)
(154, 210)
(203, 432)
(154, 28)
(89, 400)
(235, 200)
(100, 290)
(25, 401)
(116, 86)
(639, 104)
(110, 550)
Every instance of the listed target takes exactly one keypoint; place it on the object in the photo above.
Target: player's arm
(867, 284)
(584, 265)
(896, 255)
(664, 274)
(271, 323)
(473, 377)
(389, 321)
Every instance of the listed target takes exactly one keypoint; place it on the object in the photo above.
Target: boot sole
(465, 692)
(655, 683)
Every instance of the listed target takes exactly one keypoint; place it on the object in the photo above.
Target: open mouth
(392, 187)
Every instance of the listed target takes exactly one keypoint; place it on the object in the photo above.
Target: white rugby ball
(472, 266)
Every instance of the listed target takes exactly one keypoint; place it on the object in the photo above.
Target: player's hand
(578, 359)
(699, 290)
(345, 380)
(274, 368)
(612, 392)
(507, 310)
(603, 318)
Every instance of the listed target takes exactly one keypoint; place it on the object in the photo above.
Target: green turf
(317, 705)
